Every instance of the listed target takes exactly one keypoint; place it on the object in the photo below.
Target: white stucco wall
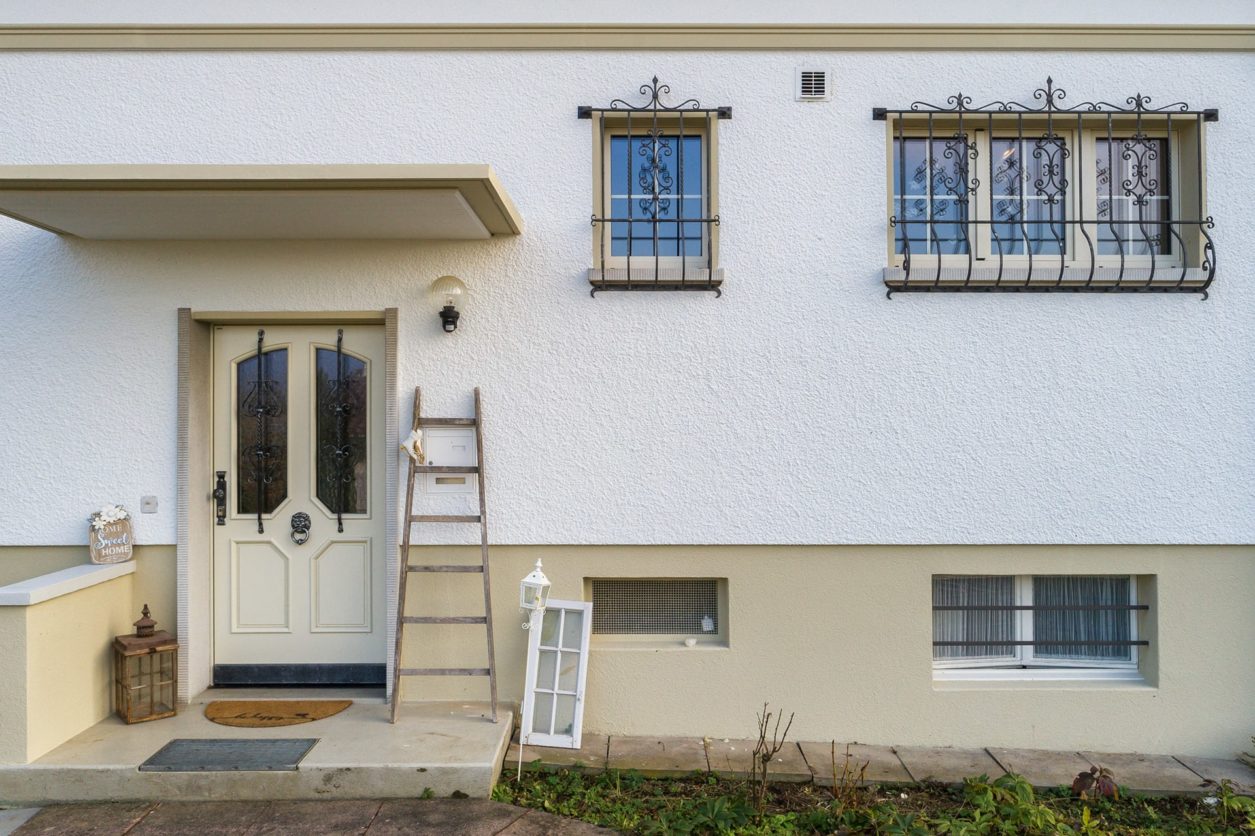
(802, 407)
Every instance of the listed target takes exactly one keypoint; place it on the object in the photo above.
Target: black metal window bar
(1041, 207)
(658, 134)
(339, 406)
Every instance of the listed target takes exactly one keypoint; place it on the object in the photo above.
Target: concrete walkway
(437, 817)
(807, 762)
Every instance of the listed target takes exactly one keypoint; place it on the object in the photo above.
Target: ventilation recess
(812, 85)
(652, 606)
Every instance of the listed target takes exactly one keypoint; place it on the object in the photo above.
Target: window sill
(654, 643)
(650, 278)
(968, 679)
(1135, 279)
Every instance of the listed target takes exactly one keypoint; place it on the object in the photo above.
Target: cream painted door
(298, 548)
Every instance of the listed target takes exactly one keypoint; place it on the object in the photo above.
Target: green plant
(1229, 802)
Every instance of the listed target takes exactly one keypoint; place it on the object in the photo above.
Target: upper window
(1037, 622)
(1084, 197)
(655, 218)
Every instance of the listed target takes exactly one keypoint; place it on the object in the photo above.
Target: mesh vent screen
(643, 606)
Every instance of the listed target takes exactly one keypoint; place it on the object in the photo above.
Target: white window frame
(1082, 177)
(1023, 664)
(526, 735)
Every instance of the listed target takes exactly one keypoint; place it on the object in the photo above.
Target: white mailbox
(450, 447)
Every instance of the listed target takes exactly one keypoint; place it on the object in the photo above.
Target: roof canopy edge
(1175, 38)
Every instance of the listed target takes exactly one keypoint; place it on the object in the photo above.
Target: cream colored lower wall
(841, 636)
(56, 655)
(69, 660)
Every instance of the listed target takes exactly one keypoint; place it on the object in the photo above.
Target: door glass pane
(564, 722)
(542, 712)
(341, 429)
(549, 628)
(547, 671)
(1082, 625)
(573, 630)
(569, 673)
(261, 420)
(974, 625)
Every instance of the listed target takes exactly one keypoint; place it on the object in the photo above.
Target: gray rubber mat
(229, 755)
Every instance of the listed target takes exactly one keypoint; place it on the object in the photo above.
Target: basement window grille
(654, 217)
(1049, 197)
(656, 606)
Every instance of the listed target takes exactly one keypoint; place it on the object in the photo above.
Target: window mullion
(1024, 597)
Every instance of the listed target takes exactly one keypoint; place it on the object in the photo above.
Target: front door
(298, 548)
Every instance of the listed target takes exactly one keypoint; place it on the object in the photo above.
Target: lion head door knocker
(300, 527)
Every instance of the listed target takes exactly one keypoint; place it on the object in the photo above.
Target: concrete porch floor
(447, 747)
(813, 762)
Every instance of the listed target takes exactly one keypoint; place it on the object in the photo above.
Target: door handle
(300, 527)
(220, 498)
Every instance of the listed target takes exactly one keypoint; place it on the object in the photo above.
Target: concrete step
(444, 747)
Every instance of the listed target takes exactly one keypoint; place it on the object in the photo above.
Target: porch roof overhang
(233, 202)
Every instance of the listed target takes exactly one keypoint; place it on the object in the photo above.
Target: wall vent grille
(655, 606)
(812, 85)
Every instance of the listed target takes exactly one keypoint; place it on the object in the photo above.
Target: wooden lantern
(145, 673)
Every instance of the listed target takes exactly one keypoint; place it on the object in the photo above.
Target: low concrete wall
(56, 656)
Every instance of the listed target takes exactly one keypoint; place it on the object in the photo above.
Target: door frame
(194, 475)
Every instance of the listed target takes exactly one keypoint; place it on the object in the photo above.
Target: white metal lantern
(534, 590)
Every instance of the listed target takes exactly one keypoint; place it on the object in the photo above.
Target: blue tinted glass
(932, 209)
(656, 181)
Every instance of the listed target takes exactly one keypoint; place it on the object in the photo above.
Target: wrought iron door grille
(656, 234)
(1089, 197)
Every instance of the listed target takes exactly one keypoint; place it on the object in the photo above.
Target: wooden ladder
(406, 567)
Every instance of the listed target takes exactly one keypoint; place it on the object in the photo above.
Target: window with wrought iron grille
(1085, 197)
(1036, 626)
(655, 198)
(669, 609)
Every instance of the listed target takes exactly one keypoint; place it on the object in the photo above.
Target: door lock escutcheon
(220, 498)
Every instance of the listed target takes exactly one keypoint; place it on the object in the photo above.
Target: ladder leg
(483, 552)
(403, 564)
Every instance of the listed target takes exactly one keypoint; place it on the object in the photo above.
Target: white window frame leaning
(1023, 665)
(526, 736)
(1082, 177)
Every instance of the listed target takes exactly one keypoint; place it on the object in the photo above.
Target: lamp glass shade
(448, 291)
(534, 590)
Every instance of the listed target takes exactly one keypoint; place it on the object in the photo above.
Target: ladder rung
(445, 619)
(454, 567)
(446, 422)
(445, 468)
(444, 518)
(442, 672)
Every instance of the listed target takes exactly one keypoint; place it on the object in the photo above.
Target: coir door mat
(264, 714)
(225, 755)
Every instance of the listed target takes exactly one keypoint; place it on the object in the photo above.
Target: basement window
(673, 612)
(655, 198)
(1036, 627)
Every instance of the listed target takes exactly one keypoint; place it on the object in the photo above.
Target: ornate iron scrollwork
(263, 403)
(338, 405)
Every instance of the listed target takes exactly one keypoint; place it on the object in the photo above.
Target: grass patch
(707, 804)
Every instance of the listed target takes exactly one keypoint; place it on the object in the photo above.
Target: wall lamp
(447, 291)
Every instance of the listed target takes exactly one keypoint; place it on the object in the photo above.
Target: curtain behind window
(979, 625)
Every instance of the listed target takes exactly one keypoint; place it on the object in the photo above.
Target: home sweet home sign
(111, 543)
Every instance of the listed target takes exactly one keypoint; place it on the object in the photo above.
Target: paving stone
(1148, 774)
(86, 819)
(204, 818)
(1218, 769)
(658, 756)
(536, 823)
(1042, 767)
(443, 816)
(591, 755)
(950, 766)
(883, 766)
(317, 818)
(733, 758)
(14, 817)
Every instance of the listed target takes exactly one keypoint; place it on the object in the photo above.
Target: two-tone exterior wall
(823, 449)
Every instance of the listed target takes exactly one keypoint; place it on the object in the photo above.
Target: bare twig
(765, 752)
